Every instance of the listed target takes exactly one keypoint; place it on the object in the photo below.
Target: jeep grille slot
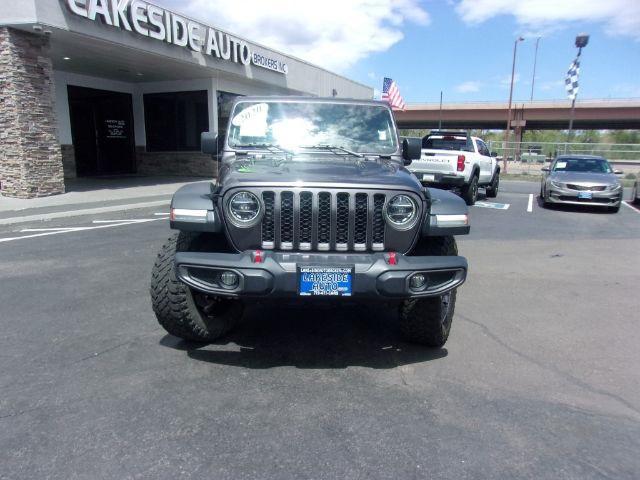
(306, 220)
(268, 228)
(323, 221)
(378, 223)
(360, 225)
(286, 221)
(342, 222)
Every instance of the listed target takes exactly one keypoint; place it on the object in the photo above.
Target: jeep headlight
(244, 209)
(401, 212)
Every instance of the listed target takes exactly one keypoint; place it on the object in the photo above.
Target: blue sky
(473, 62)
(462, 47)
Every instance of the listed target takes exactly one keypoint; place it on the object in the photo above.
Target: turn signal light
(461, 163)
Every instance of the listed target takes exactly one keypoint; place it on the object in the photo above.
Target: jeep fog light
(229, 279)
(417, 281)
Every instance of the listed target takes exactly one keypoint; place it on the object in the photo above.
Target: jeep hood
(329, 173)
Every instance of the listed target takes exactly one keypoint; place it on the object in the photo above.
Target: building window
(174, 121)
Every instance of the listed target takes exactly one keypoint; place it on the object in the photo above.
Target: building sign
(160, 24)
(115, 128)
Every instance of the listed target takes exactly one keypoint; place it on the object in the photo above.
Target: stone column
(30, 158)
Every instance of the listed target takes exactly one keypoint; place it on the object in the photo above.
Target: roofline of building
(187, 17)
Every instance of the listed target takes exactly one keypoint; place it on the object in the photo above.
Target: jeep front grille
(323, 221)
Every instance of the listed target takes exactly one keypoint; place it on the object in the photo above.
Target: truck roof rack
(452, 133)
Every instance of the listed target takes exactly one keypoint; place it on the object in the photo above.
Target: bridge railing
(532, 155)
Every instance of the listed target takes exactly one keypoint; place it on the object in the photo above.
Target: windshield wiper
(333, 149)
(267, 146)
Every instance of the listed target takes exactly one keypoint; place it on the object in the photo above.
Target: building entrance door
(102, 131)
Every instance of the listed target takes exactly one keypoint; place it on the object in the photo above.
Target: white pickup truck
(453, 159)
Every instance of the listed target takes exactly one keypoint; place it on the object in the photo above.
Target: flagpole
(508, 131)
(440, 113)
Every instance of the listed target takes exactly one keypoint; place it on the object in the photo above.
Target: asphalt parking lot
(540, 377)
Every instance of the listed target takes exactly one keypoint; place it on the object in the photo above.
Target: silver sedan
(581, 180)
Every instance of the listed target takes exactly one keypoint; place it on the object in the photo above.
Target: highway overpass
(537, 115)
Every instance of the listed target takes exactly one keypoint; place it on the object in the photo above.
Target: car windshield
(333, 127)
(586, 165)
(447, 143)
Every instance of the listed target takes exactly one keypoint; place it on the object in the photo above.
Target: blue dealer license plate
(585, 195)
(322, 281)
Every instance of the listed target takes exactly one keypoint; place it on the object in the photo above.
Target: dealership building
(116, 87)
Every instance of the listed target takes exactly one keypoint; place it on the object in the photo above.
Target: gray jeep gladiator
(313, 205)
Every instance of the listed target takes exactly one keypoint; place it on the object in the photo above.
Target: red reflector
(461, 163)
(392, 258)
(258, 256)
(172, 215)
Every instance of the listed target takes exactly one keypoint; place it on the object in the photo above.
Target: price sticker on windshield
(252, 120)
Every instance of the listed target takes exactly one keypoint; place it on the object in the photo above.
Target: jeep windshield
(301, 127)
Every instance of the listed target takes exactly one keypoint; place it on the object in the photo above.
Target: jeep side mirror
(209, 143)
(545, 169)
(411, 149)
(618, 172)
(494, 154)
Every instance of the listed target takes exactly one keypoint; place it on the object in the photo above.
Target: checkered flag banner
(571, 82)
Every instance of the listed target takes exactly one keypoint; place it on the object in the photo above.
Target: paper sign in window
(252, 120)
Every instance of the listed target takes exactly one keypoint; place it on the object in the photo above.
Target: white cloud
(332, 33)
(467, 87)
(621, 17)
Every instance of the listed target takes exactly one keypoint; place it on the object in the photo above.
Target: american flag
(391, 94)
(571, 82)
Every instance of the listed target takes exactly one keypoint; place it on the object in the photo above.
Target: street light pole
(513, 71)
(581, 41)
(535, 61)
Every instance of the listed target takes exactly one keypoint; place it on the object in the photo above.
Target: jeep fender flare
(193, 208)
(444, 202)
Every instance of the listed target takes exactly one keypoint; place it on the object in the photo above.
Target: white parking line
(55, 231)
(128, 220)
(626, 204)
(84, 211)
(530, 204)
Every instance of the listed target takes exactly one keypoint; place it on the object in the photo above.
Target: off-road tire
(182, 312)
(470, 191)
(492, 189)
(427, 321)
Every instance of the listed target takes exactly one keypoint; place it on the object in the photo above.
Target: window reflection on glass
(300, 125)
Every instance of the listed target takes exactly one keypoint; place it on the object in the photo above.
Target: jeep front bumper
(275, 275)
